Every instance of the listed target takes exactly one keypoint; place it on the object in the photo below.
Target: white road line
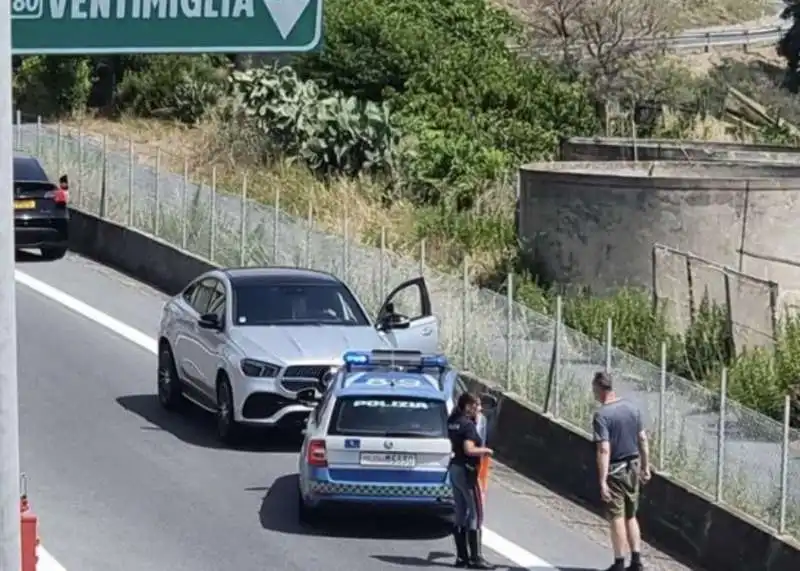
(47, 562)
(511, 551)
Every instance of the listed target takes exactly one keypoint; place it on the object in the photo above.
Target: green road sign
(164, 26)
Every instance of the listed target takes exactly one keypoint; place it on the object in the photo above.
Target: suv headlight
(253, 368)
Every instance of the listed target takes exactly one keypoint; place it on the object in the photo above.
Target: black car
(41, 217)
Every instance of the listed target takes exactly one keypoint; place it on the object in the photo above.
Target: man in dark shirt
(467, 448)
(622, 462)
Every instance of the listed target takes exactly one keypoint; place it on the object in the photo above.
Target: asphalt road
(118, 483)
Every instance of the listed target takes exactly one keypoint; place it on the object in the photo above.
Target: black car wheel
(53, 253)
(227, 427)
(169, 387)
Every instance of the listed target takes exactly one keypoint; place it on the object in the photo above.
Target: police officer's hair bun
(465, 400)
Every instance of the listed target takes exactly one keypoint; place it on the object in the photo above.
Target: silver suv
(247, 344)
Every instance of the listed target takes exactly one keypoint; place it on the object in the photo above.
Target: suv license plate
(384, 459)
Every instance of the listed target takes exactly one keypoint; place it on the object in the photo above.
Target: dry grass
(202, 151)
(687, 13)
(710, 12)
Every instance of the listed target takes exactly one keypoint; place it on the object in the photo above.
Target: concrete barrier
(683, 521)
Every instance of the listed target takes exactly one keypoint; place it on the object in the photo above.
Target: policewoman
(468, 449)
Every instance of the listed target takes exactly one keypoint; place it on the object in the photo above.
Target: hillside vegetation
(415, 115)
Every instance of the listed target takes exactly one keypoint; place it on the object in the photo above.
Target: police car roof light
(356, 358)
(434, 361)
(383, 358)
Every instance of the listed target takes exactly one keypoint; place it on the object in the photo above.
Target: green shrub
(176, 87)
(52, 86)
(331, 133)
(474, 108)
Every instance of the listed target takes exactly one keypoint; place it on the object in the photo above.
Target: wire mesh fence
(482, 331)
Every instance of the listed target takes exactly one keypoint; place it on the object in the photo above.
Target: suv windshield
(398, 417)
(263, 303)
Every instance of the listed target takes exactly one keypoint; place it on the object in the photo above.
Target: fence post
(157, 219)
(104, 179)
(464, 312)
(185, 204)
(609, 344)
(243, 230)
(509, 325)
(422, 257)
(662, 408)
(383, 261)
(307, 246)
(58, 148)
(79, 198)
(557, 357)
(276, 226)
(131, 171)
(38, 135)
(723, 406)
(212, 238)
(787, 412)
(346, 245)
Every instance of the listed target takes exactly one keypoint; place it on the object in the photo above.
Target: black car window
(217, 303)
(189, 292)
(202, 296)
(29, 169)
(264, 303)
(399, 417)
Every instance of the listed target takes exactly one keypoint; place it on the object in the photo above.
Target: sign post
(84, 27)
(10, 523)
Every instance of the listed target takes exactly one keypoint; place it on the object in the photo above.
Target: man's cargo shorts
(623, 485)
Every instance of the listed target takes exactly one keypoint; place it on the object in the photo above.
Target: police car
(379, 434)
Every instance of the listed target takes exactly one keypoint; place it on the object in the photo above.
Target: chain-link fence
(682, 281)
(483, 331)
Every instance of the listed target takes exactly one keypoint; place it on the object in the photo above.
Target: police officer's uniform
(467, 496)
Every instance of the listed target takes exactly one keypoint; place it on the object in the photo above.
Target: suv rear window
(398, 417)
(29, 170)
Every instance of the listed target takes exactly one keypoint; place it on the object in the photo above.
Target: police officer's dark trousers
(468, 517)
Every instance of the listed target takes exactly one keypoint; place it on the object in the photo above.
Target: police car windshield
(398, 417)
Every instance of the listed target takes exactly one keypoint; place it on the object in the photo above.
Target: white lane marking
(511, 551)
(46, 561)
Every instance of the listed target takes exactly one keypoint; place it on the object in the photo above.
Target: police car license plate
(385, 459)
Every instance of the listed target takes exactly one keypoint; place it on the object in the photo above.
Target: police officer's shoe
(462, 555)
(476, 560)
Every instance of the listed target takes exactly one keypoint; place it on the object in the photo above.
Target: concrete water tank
(622, 149)
(595, 223)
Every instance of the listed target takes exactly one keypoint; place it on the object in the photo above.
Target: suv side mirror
(210, 321)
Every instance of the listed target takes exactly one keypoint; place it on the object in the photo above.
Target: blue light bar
(431, 361)
(355, 358)
(389, 358)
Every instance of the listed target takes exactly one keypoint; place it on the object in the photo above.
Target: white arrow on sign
(286, 13)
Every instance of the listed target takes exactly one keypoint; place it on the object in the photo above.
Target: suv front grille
(264, 405)
(299, 377)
